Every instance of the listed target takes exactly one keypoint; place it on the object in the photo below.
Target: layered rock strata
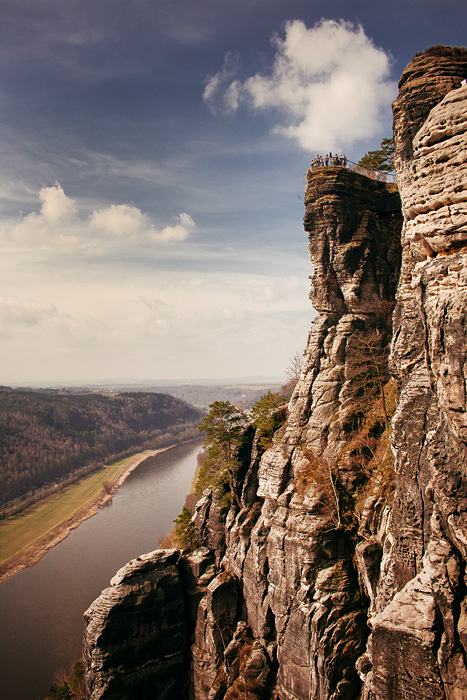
(284, 612)
(299, 576)
(136, 635)
(138, 630)
(320, 549)
(418, 645)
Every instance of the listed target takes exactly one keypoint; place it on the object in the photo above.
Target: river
(41, 608)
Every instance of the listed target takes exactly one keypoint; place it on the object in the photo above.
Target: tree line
(44, 437)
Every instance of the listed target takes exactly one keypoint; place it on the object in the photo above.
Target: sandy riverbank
(35, 550)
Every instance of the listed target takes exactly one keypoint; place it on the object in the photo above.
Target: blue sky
(153, 157)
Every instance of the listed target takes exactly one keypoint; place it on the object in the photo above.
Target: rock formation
(418, 644)
(136, 634)
(337, 573)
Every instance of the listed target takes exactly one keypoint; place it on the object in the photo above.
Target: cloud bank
(16, 313)
(60, 226)
(329, 86)
(160, 325)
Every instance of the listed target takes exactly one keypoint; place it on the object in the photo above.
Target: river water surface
(41, 608)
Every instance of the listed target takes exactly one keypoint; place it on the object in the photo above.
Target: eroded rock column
(417, 646)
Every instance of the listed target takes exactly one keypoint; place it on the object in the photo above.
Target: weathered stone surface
(423, 84)
(298, 579)
(354, 226)
(292, 582)
(135, 635)
(216, 622)
(434, 189)
(197, 571)
(209, 520)
(415, 648)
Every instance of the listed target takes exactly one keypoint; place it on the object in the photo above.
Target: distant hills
(241, 395)
(241, 392)
(46, 435)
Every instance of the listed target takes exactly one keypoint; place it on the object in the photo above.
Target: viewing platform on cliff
(340, 162)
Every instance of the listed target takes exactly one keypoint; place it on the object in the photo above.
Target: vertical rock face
(301, 555)
(337, 574)
(354, 241)
(287, 546)
(417, 646)
(136, 636)
(137, 631)
(282, 610)
(424, 83)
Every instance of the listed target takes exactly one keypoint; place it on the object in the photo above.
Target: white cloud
(159, 324)
(162, 315)
(18, 313)
(232, 96)
(216, 84)
(272, 292)
(229, 313)
(59, 226)
(120, 219)
(56, 206)
(179, 232)
(52, 227)
(329, 84)
(158, 307)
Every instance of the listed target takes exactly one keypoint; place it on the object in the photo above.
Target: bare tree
(294, 369)
(367, 371)
(293, 372)
(317, 473)
(107, 487)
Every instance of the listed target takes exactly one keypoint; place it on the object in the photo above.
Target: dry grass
(24, 529)
(366, 456)
(368, 450)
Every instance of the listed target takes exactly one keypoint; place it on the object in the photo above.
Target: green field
(20, 531)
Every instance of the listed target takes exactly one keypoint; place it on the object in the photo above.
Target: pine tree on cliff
(223, 428)
(382, 159)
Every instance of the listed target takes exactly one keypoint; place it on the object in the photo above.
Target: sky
(153, 169)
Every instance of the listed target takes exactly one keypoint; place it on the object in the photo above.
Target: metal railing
(372, 174)
(354, 167)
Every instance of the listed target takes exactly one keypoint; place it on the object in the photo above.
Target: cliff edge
(337, 572)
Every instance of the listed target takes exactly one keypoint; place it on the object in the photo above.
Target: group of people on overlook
(328, 160)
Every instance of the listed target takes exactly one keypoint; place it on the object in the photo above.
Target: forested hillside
(45, 436)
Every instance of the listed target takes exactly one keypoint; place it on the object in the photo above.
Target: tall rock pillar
(299, 576)
(418, 645)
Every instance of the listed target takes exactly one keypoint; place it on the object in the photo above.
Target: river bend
(41, 608)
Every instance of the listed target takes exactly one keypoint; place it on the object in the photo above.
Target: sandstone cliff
(336, 574)
(418, 645)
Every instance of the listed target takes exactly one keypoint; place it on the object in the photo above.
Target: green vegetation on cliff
(69, 686)
(223, 428)
(268, 414)
(382, 159)
(365, 463)
(228, 435)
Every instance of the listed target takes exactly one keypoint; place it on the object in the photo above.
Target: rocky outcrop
(417, 647)
(283, 610)
(137, 630)
(338, 573)
(429, 77)
(299, 577)
(143, 607)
